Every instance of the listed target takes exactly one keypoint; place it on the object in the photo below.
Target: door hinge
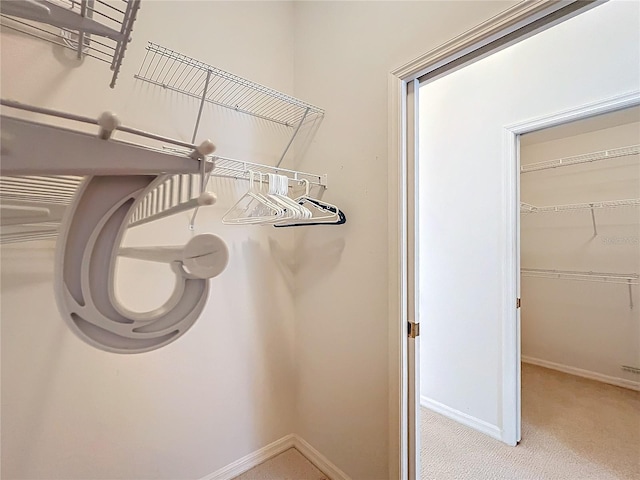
(414, 329)
(518, 302)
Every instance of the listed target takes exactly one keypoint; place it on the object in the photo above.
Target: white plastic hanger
(323, 212)
(254, 207)
(279, 191)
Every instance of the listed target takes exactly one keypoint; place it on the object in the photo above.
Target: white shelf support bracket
(286, 149)
(203, 99)
(593, 219)
(87, 249)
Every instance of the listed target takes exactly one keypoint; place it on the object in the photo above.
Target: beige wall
(344, 52)
(224, 389)
(245, 375)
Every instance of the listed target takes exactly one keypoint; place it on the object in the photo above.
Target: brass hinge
(414, 329)
(518, 303)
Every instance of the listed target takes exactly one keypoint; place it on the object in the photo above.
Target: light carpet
(572, 429)
(289, 465)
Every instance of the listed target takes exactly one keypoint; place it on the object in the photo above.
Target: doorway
(467, 206)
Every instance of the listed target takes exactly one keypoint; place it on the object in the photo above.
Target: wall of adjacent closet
(580, 253)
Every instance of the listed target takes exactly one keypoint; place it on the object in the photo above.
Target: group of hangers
(271, 205)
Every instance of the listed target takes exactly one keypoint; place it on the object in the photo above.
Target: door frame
(511, 26)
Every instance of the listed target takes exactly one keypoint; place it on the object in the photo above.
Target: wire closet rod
(584, 158)
(528, 208)
(589, 276)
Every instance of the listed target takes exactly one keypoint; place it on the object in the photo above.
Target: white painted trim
(319, 460)
(503, 23)
(510, 419)
(253, 459)
(579, 372)
(463, 418)
(398, 348)
(607, 105)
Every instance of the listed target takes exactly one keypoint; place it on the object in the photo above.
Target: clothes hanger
(253, 207)
(279, 190)
(331, 215)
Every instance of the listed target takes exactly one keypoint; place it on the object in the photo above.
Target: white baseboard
(319, 460)
(461, 417)
(253, 459)
(276, 448)
(619, 382)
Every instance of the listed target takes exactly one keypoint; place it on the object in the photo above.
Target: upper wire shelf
(180, 73)
(92, 28)
(584, 158)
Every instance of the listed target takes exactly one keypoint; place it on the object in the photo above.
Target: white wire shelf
(528, 208)
(33, 205)
(584, 158)
(177, 72)
(28, 232)
(589, 276)
(238, 169)
(52, 189)
(179, 192)
(628, 279)
(92, 28)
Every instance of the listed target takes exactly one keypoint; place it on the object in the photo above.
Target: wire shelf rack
(590, 276)
(92, 28)
(177, 72)
(584, 158)
(179, 192)
(52, 189)
(528, 208)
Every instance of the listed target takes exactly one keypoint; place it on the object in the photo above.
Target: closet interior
(59, 178)
(580, 255)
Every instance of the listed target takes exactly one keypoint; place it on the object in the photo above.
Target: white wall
(344, 52)
(224, 389)
(583, 325)
(463, 188)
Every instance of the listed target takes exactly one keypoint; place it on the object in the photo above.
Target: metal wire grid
(41, 231)
(528, 208)
(177, 190)
(230, 168)
(584, 158)
(174, 191)
(57, 190)
(119, 18)
(180, 73)
(621, 278)
(49, 190)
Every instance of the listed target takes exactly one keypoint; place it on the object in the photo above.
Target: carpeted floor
(572, 429)
(289, 465)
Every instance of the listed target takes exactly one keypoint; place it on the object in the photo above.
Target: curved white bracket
(87, 249)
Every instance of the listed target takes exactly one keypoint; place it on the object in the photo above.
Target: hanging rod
(179, 193)
(590, 276)
(584, 158)
(528, 208)
(180, 73)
